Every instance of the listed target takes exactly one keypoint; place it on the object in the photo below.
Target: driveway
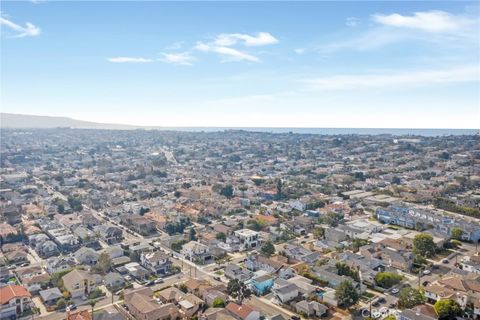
(38, 303)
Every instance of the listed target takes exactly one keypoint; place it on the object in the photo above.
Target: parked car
(72, 306)
(445, 261)
(426, 272)
(158, 281)
(395, 291)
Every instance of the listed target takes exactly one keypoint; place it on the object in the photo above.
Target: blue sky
(269, 64)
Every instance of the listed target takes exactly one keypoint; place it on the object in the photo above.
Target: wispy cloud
(227, 53)
(352, 22)
(259, 39)
(224, 45)
(129, 60)
(429, 21)
(396, 79)
(29, 30)
(181, 58)
(430, 26)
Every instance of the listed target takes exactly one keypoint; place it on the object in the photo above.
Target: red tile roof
(10, 292)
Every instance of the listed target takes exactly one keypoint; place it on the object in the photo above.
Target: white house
(196, 251)
(285, 292)
(249, 239)
(14, 300)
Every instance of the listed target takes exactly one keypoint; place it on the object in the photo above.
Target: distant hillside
(10, 120)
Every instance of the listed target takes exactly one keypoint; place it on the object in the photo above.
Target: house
(256, 262)
(108, 315)
(299, 253)
(476, 308)
(190, 304)
(16, 256)
(196, 286)
(113, 280)
(141, 305)
(136, 271)
(415, 218)
(471, 263)
(29, 271)
(453, 287)
(80, 283)
(79, 315)
(14, 300)
(51, 296)
(157, 262)
(261, 284)
(284, 291)
(249, 239)
(36, 283)
(62, 263)
(401, 260)
(170, 294)
(196, 251)
(233, 271)
(311, 308)
(242, 312)
(211, 295)
(304, 285)
(89, 220)
(86, 256)
(87, 236)
(114, 252)
(139, 224)
(47, 249)
(328, 274)
(109, 234)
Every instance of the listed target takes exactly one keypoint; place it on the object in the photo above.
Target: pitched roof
(80, 315)
(241, 311)
(9, 292)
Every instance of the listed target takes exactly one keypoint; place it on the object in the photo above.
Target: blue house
(261, 285)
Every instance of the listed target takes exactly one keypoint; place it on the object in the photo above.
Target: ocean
(340, 131)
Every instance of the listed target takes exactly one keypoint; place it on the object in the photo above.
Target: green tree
(192, 235)
(319, 233)
(104, 263)
(390, 317)
(92, 304)
(456, 233)
(447, 309)
(61, 208)
(279, 194)
(346, 294)
(396, 180)
(177, 194)
(423, 245)
(227, 191)
(218, 303)
(61, 303)
(75, 203)
(268, 248)
(221, 236)
(344, 269)
(409, 298)
(238, 290)
(387, 279)
(331, 218)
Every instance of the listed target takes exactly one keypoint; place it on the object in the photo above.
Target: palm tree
(92, 303)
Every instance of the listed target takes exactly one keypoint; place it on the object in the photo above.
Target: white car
(426, 272)
(395, 291)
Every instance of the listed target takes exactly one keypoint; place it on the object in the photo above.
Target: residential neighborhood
(147, 224)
